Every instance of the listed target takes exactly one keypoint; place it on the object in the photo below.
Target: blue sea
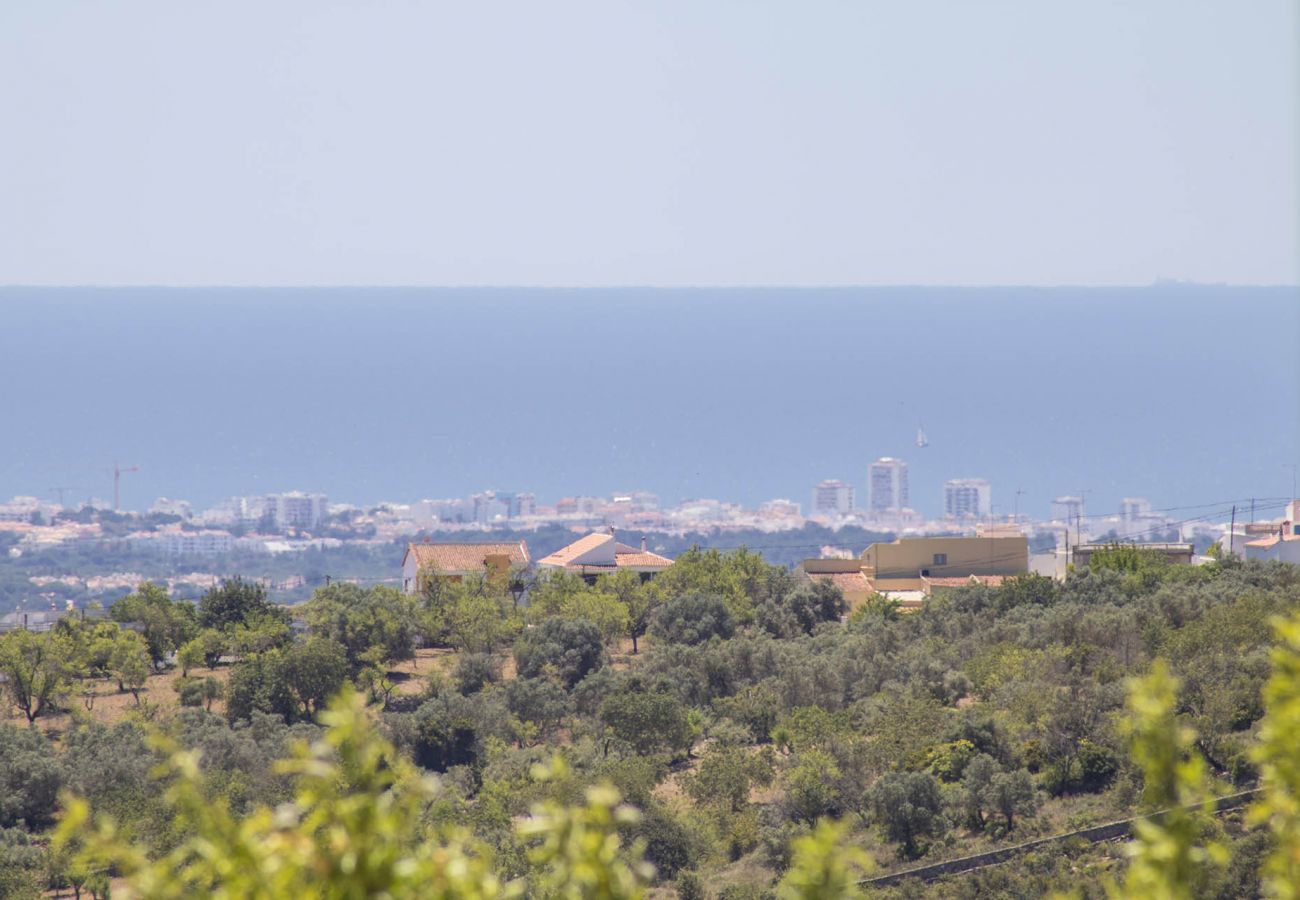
(1182, 394)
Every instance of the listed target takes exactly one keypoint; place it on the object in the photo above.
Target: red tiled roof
(454, 559)
(562, 556)
(625, 557)
(640, 559)
(845, 581)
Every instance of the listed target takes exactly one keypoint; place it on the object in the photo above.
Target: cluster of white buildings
(292, 511)
(966, 500)
(625, 509)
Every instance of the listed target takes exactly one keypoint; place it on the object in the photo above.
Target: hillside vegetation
(723, 731)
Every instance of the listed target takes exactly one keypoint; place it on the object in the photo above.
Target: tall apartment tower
(888, 481)
(833, 497)
(967, 498)
(1067, 509)
(1134, 508)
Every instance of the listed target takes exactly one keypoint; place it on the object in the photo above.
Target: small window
(941, 559)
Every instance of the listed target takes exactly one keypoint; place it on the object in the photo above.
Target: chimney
(643, 543)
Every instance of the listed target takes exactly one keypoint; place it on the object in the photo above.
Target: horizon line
(1157, 283)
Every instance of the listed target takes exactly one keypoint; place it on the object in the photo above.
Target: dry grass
(99, 700)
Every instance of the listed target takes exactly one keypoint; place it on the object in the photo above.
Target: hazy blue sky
(318, 142)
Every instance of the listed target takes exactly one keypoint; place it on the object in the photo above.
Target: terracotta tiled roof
(454, 559)
(562, 556)
(845, 581)
(625, 557)
(640, 559)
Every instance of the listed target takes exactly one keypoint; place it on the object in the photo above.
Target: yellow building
(905, 564)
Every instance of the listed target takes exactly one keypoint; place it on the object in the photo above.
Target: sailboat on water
(921, 439)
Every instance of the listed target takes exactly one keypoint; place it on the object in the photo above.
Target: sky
(394, 142)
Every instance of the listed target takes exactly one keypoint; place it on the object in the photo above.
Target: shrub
(692, 620)
(475, 671)
(571, 648)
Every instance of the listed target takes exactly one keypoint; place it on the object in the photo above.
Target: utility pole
(1017, 512)
(1232, 528)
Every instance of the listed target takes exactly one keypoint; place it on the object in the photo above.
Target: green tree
(569, 648)
(216, 644)
(565, 595)
(639, 598)
(314, 671)
(741, 579)
(1278, 756)
(811, 787)
(130, 663)
(576, 850)
(727, 775)
(647, 721)
(909, 807)
(825, 866)
(1012, 794)
(813, 604)
(692, 619)
(1170, 858)
(354, 828)
(977, 784)
(164, 623)
(237, 602)
(98, 644)
(378, 622)
(21, 860)
(259, 683)
(198, 691)
(479, 621)
(190, 655)
(37, 669)
(30, 778)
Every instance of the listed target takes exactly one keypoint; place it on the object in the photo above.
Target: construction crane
(118, 472)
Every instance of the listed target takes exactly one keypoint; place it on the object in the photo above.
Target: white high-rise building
(833, 497)
(1067, 509)
(965, 498)
(1132, 509)
(296, 509)
(888, 481)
